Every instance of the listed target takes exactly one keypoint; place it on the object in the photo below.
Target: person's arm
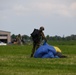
(43, 36)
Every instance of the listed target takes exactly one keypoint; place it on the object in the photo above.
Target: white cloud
(20, 9)
(73, 9)
(42, 6)
(48, 7)
(73, 6)
(51, 8)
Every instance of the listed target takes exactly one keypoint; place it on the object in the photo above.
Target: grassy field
(15, 60)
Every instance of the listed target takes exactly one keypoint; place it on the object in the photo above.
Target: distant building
(5, 36)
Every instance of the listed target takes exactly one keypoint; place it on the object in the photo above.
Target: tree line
(48, 37)
(59, 38)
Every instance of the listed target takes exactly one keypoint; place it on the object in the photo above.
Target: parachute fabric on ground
(45, 51)
(57, 49)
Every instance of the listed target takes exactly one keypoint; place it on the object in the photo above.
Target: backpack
(35, 35)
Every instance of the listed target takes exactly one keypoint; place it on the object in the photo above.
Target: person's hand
(44, 42)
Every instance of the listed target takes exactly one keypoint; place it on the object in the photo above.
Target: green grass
(15, 60)
(71, 42)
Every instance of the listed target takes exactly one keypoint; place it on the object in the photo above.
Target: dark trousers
(36, 45)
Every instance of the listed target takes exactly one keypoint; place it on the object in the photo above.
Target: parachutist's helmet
(42, 28)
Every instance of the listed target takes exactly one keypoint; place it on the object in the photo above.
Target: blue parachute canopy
(45, 51)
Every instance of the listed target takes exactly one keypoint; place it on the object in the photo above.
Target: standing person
(19, 38)
(37, 37)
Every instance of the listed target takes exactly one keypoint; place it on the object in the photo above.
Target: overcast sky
(22, 16)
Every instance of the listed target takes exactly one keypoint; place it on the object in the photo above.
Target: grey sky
(22, 16)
